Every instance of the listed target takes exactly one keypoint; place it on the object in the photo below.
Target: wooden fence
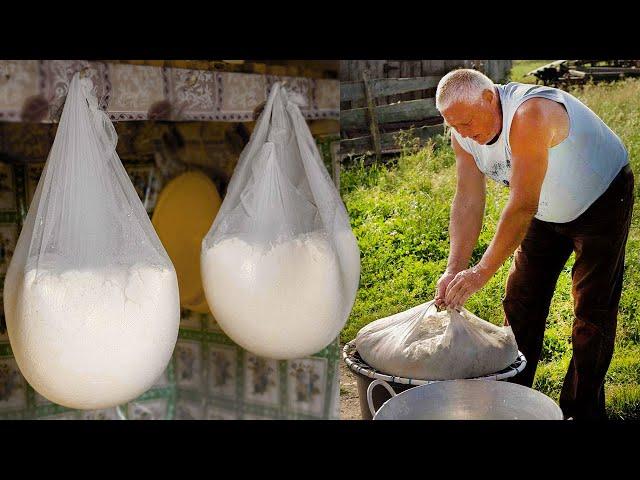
(351, 71)
(382, 123)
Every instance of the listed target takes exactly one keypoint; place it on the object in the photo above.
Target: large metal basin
(466, 400)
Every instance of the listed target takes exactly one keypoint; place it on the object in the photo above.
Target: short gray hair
(463, 84)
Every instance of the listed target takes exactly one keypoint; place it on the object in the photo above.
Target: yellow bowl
(182, 217)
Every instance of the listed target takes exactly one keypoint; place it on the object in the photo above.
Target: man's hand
(464, 284)
(465, 223)
(441, 287)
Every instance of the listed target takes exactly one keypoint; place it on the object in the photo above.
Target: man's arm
(467, 211)
(530, 141)
(532, 133)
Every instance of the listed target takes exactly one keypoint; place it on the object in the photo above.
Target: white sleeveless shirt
(580, 168)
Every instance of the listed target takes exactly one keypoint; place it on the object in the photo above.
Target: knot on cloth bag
(293, 98)
(283, 103)
(104, 128)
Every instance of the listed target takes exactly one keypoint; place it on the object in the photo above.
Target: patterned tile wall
(34, 90)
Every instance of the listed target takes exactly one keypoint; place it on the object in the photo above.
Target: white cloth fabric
(424, 344)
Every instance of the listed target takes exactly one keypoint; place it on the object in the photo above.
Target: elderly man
(570, 190)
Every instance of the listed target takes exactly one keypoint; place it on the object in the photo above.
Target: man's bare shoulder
(539, 118)
(537, 108)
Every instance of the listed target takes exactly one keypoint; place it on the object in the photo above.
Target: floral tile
(261, 380)
(222, 370)
(193, 93)
(239, 94)
(306, 385)
(135, 89)
(189, 371)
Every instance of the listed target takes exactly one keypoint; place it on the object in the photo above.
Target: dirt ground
(349, 402)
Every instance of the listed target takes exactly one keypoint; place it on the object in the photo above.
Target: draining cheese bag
(91, 297)
(280, 264)
(424, 344)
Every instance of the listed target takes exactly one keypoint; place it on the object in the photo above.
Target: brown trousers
(598, 237)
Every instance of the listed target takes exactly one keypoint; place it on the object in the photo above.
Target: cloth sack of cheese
(280, 265)
(425, 344)
(91, 297)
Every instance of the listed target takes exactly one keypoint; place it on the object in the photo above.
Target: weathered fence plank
(397, 112)
(371, 114)
(386, 86)
(335, 162)
(354, 146)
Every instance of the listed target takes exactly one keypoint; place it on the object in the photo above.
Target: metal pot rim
(507, 385)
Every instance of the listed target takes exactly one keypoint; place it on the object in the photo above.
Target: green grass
(400, 215)
(522, 67)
